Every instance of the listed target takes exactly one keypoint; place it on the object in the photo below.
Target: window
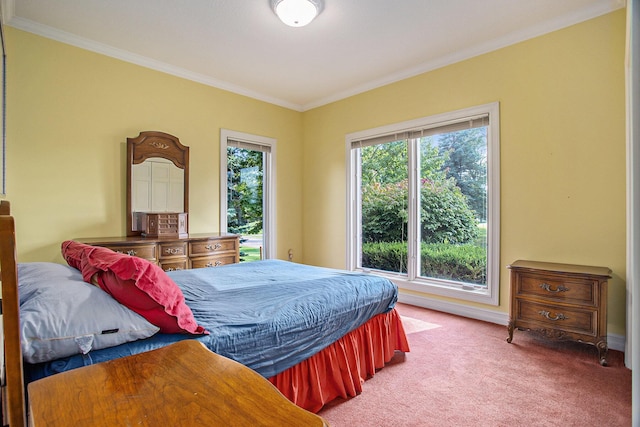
(424, 204)
(247, 197)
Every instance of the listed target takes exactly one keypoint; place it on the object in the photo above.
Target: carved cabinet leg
(510, 330)
(603, 349)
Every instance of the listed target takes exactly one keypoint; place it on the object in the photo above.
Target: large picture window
(424, 203)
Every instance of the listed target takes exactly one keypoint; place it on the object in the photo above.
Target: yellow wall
(562, 148)
(69, 114)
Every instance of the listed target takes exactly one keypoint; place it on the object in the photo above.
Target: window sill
(442, 288)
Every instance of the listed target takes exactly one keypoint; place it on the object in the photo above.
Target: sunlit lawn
(482, 236)
(249, 253)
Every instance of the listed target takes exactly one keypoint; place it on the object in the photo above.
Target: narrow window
(246, 189)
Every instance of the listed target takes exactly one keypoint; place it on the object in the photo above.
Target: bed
(315, 333)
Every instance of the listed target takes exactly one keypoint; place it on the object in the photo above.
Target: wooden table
(183, 384)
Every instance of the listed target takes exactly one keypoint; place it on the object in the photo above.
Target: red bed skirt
(340, 369)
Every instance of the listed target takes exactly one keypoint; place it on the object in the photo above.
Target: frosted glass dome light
(296, 13)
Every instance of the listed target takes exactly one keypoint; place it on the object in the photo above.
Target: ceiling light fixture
(297, 13)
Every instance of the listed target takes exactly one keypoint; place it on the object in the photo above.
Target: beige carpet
(412, 325)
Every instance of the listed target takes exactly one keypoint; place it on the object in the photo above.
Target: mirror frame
(150, 144)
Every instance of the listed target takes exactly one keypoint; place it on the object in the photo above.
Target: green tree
(466, 162)
(384, 212)
(244, 190)
(384, 163)
(445, 216)
(432, 160)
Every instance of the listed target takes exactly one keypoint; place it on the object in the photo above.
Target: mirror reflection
(157, 186)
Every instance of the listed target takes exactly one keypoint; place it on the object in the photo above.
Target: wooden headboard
(13, 396)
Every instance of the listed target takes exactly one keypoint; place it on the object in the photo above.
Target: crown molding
(599, 9)
(593, 11)
(123, 55)
(7, 10)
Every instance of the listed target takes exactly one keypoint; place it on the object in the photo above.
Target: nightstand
(560, 302)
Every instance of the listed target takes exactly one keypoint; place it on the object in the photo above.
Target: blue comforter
(268, 315)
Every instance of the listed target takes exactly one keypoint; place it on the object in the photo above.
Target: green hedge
(462, 263)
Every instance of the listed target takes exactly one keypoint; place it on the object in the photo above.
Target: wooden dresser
(194, 251)
(561, 302)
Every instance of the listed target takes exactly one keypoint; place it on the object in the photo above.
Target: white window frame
(410, 281)
(268, 183)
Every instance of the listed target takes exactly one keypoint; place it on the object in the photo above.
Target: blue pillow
(61, 315)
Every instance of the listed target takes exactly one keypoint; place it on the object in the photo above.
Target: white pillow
(61, 315)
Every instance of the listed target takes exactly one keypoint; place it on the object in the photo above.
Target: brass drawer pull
(547, 288)
(558, 316)
(173, 269)
(173, 251)
(214, 247)
(130, 252)
(215, 264)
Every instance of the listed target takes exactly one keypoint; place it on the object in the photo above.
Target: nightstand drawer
(550, 287)
(569, 319)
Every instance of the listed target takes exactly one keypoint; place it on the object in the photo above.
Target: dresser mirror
(157, 177)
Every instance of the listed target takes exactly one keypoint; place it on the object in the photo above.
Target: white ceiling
(241, 46)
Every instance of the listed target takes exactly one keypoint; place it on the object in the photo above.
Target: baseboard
(615, 342)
